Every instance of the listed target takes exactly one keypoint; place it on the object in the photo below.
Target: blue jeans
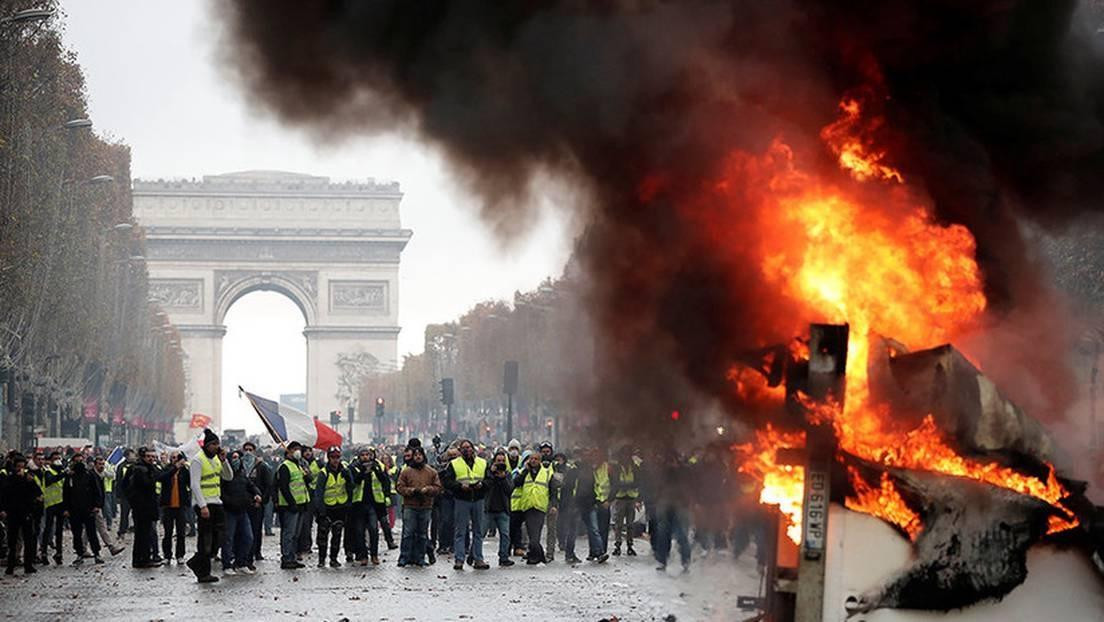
(269, 510)
(289, 535)
(671, 522)
(238, 543)
(588, 519)
(412, 549)
(501, 521)
(465, 512)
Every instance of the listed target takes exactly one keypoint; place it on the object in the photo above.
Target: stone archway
(332, 248)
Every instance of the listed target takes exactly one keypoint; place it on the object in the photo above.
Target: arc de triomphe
(332, 248)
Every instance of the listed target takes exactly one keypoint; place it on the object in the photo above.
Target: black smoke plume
(993, 107)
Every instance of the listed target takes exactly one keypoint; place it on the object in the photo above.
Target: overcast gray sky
(154, 82)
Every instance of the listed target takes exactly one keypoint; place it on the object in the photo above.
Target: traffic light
(447, 396)
(335, 418)
(381, 406)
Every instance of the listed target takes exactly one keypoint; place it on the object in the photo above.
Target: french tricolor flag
(287, 424)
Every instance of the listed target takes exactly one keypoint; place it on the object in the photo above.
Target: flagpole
(267, 425)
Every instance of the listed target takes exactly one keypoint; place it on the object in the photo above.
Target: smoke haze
(993, 109)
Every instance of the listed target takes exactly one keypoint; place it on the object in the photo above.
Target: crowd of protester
(526, 503)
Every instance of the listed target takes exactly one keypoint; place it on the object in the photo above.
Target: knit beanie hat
(209, 437)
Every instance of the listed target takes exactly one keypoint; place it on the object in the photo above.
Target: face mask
(78, 466)
(513, 453)
(236, 464)
(295, 455)
(57, 463)
(248, 460)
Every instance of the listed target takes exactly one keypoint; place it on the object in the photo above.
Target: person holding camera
(176, 494)
(499, 487)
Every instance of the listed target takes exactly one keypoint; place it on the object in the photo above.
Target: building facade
(332, 248)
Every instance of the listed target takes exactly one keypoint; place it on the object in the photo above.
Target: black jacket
(19, 495)
(237, 494)
(262, 478)
(184, 483)
(498, 491)
(448, 480)
(579, 487)
(82, 491)
(141, 492)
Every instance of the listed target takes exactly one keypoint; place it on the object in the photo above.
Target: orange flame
(783, 485)
(856, 155)
(883, 266)
(884, 502)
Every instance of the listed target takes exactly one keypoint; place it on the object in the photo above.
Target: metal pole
(448, 420)
(509, 417)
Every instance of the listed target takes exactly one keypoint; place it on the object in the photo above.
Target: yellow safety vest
(628, 477)
(515, 500)
(210, 478)
(377, 485)
(314, 470)
(469, 475)
(602, 483)
(335, 492)
(295, 483)
(51, 495)
(534, 493)
(109, 482)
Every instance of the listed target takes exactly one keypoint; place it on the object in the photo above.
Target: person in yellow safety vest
(333, 489)
(356, 521)
(534, 481)
(466, 477)
(380, 487)
(603, 496)
(311, 468)
(626, 497)
(36, 467)
(291, 500)
(207, 471)
(53, 483)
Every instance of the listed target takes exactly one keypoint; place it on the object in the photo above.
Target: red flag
(199, 420)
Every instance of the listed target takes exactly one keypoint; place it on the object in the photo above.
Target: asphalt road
(625, 588)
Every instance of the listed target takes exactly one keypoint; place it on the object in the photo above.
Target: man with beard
(19, 496)
(82, 497)
(418, 485)
(142, 499)
(464, 476)
(208, 470)
(258, 472)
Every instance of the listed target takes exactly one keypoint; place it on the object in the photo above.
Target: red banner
(199, 420)
(91, 409)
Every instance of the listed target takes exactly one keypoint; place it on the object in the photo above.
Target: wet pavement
(628, 588)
